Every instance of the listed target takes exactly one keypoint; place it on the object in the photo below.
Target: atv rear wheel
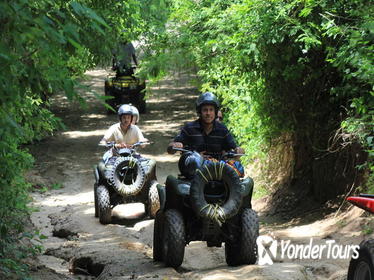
(243, 250)
(158, 237)
(153, 199)
(174, 238)
(363, 266)
(103, 199)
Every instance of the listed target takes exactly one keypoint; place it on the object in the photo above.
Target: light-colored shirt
(131, 136)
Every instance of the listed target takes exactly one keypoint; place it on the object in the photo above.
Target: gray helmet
(135, 113)
(125, 110)
(207, 98)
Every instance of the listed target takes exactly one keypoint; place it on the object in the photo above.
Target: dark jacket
(193, 137)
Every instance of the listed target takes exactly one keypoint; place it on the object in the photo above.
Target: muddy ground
(79, 247)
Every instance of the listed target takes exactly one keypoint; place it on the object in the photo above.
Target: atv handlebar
(180, 150)
(112, 144)
(229, 154)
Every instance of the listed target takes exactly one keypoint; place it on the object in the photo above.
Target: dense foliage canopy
(296, 73)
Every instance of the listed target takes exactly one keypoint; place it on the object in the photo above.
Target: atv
(124, 178)
(124, 88)
(362, 268)
(214, 206)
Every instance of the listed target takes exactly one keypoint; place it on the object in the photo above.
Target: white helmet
(135, 113)
(125, 110)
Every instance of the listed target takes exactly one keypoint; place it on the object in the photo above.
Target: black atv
(125, 178)
(125, 88)
(362, 267)
(215, 206)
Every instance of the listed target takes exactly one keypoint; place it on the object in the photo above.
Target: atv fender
(96, 174)
(149, 166)
(178, 187)
(247, 191)
(246, 186)
(176, 192)
(162, 195)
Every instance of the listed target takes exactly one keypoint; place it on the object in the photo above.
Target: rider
(123, 133)
(205, 135)
(123, 57)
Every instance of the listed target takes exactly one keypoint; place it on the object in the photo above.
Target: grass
(367, 229)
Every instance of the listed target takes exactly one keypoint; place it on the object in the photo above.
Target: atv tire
(249, 234)
(158, 237)
(243, 250)
(117, 182)
(103, 199)
(363, 266)
(174, 238)
(216, 171)
(95, 201)
(153, 199)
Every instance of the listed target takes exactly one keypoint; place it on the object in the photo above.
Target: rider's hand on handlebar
(123, 145)
(174, 145)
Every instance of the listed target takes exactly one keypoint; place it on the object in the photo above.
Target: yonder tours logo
(268, 249)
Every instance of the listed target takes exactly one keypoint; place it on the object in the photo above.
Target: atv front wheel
(153, 199)
(363, 266)
(158, 237)
(174, 238)
(250, 232)
(103, 199)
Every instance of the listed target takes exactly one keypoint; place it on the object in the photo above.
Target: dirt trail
(123, 250)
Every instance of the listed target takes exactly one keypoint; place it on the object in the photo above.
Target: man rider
(123, 133)
(205, 135)
(123, 57)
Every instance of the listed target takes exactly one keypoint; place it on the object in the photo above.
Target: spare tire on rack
(216, 171)
(117, 174)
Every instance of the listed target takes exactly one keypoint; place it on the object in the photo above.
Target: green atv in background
(125, 88)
